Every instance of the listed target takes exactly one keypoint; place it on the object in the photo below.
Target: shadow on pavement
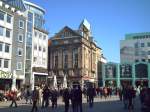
(103, 106)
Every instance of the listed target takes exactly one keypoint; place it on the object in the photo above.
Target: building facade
(23, 44)
(135, 48)
(36, 45)
(135, 74)
(74, 54)
(12, 44)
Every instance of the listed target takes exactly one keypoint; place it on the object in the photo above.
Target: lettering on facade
(5, 75)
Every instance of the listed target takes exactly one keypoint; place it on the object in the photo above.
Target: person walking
(13, 98)
(35, 98)
(46, 94)
(66, 97)
(79, 99)
(91, 94)
(54, 96)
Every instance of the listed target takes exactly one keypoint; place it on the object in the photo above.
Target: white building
(135, 48)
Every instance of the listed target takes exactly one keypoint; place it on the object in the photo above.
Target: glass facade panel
(8, 33)
(2, 15)
(110, 71)
(141, 70)
(125, 71)
(1, 31)
(1, 47)
(7, 46)
(6, 63)
(9, 18)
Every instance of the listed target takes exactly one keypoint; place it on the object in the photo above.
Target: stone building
(74, 53)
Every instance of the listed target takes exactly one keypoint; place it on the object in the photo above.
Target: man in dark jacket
(79, 99)
(91, 94)
(66, 97)
(46, 94)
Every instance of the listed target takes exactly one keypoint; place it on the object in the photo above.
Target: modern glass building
(135, 74)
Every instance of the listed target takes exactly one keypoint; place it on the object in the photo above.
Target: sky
(110, 20)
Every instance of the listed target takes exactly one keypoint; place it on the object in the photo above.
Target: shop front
(5, 80)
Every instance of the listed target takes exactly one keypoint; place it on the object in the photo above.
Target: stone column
(14, 80)
(133, 75)
(148, 75)
(103, 74)
(118, 75)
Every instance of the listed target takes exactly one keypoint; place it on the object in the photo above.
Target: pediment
(66, 32)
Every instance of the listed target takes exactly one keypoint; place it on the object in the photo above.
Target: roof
(34, 5)
(16, 3)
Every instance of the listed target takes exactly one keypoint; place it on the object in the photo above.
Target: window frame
(5, 63)
(4, 15)
(9, 33)
(20, 49)
(22, 27)
(18, 66)
(5, 48)
(19, 37)
(8, 15)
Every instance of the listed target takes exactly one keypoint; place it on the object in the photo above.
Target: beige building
(74, 53)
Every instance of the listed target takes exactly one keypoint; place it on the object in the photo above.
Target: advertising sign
(110, 71)
(125, 71)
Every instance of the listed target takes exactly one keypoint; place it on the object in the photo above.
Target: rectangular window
(35, 47)
(6, 63)
(40, 48)
(21, 24)
(19, 65)
(142, 44)
(44, 37)
(148, 52)
(35, 59)
(2, 15)
(44, 49)
(19, 51)
(136, 45)
(7, 47)
(136, 60)
(148, 44)
(20, 37)
(8, 33)
(0, 63)
(143, 60)
(1, 31)
(9, 18)
(1, 47)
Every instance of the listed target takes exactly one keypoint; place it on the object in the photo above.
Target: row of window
(40, 35)
(143, 60)
(142, 53)
(5, 32)
(4, 16)
(40, 48)
(6, 46)
(137, 45)
(39, 62)
(4, 63)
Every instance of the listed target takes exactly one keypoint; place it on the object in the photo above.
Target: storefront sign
(5, 75)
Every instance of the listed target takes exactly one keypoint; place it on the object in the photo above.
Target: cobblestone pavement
(101, 105)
